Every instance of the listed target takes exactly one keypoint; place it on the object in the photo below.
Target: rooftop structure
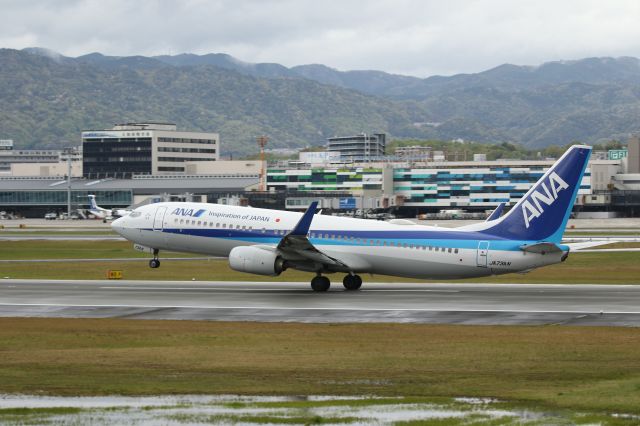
(362, 147)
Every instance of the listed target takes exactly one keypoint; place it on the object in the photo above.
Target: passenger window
(455, 251)
(199, 222)
(450, 250)
(181, 220)
(224, 225)
(193, 222)
(424, 247)
(218, 225)
(237, 226)
(243, 227)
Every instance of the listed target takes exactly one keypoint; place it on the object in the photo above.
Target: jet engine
(256, 260)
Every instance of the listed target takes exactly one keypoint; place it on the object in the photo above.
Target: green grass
(595, 268)
(593, 369)
(56, 233)
(620, 245)
(50, 249)
(613, 233)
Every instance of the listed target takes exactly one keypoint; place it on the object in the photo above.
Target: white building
(145, 149)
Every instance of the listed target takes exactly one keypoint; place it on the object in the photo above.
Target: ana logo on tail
(534, 210)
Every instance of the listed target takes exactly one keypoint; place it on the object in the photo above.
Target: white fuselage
(366, 246)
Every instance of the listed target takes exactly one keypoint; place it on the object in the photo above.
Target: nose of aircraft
(118, 225)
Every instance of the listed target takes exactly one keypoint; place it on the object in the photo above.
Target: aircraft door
(159, 218)
(483, 253)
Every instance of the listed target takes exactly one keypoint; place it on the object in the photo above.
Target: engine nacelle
(255, 260)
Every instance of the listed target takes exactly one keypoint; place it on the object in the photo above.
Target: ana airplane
(268, 242)
(105, 214)
(98, 211)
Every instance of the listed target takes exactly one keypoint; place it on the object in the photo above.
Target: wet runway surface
(610, 305)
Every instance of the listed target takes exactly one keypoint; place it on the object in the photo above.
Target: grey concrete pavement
(617, 305)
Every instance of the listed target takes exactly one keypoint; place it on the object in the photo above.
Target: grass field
(578, 368)
(620, 245)
(597, 268)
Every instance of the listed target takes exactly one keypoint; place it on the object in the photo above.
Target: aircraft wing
(296, 246)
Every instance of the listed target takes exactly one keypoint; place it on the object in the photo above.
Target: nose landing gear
(155, 262)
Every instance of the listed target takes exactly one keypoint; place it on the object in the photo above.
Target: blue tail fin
(543, 212)
(92, 202)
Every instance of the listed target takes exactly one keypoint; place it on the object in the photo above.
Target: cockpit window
(135, 214)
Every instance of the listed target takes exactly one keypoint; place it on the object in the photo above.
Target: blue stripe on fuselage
(446, 239)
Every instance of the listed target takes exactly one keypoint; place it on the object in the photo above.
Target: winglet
(496, 213)
(303, 225)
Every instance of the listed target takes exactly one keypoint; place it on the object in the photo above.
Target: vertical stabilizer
(543, 212)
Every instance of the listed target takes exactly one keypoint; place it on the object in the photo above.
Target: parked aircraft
(268, 242)
(104, 214)
(98, 211)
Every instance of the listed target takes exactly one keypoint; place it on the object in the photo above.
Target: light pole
(68, 152)
(262, 142)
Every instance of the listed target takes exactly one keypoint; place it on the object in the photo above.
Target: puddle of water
(234, 409)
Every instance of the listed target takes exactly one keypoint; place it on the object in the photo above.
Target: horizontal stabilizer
(541, 248)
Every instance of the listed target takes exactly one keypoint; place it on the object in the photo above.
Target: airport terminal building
(144, 149)
(133, 163)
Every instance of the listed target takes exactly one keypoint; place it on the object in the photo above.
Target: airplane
(102, 213)
(268, 242)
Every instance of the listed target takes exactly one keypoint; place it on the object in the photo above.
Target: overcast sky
(412, 37)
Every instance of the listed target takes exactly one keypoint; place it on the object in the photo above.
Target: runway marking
(59, 305)
(268, 289)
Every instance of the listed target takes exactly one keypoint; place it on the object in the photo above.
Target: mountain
(47, 102)
(48, 98)
(266, 70)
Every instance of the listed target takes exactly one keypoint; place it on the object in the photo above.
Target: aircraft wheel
(320, 283)
(154, 263)
(352, 282)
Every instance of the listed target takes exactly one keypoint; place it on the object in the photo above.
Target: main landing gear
(351, 282)
(320, 283)
(155, 262)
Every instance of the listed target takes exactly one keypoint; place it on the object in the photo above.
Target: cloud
(416, 37)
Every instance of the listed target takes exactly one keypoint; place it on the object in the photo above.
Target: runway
(612, 305)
